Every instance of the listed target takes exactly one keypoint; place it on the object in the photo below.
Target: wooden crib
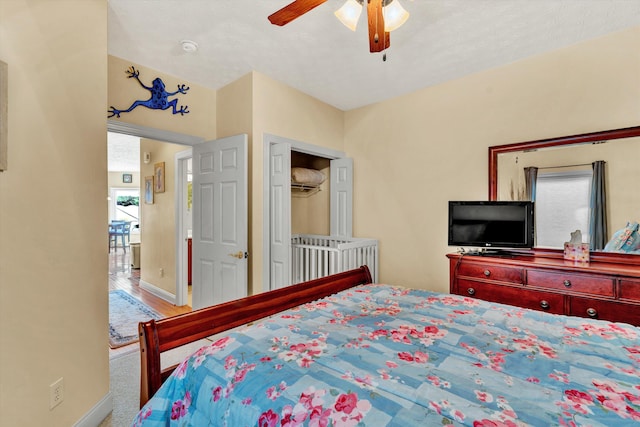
(314, 256)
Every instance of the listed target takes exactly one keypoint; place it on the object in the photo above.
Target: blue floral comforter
(378, 355)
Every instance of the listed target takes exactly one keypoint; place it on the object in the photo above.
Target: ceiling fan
(378, 37)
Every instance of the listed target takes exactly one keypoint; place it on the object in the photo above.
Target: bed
(341, 351)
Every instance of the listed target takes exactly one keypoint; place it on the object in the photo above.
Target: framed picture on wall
(148, 190)
(127, 178)
(158, 175)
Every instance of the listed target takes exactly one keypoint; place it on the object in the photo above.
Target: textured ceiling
(442, 40)
(123, 153)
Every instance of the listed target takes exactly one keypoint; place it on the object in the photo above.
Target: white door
(280, 214)
(220, 227)
(341, 197)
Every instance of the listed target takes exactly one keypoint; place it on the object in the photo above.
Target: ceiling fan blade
(293, 10)
(378, 39)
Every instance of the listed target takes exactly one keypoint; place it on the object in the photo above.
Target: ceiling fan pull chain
(384, 43)
(384, 36)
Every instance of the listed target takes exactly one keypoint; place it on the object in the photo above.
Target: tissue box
(576, 252)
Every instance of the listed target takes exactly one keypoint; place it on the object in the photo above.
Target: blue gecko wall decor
(159, 96)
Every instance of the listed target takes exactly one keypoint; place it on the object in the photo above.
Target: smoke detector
(189, 46)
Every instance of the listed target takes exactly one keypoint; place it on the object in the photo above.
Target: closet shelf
(303, 190)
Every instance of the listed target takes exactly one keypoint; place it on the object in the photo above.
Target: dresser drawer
(491, 272)
(603, 289)
(604, 310)
(630, 289)
(588, 284)
(513, 295)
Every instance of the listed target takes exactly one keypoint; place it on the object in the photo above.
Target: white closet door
(342, 197)
(280, 215)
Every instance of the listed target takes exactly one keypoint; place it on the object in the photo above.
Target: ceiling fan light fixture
(349, 14)
(394, 16)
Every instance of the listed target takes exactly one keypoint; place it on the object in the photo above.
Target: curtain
(598, 208)
(530, 177)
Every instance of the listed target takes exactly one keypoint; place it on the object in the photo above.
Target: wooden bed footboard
(158, 336)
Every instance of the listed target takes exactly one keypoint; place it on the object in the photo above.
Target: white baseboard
(98, 413)
(160, 293)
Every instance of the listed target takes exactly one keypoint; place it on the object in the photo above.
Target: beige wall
(235, 108)
(310, 211)
(256, 105)
(53, 211)
(415, 153)
(114, 179)
(158, 220)
(283, 111)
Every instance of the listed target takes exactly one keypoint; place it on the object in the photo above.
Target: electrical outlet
(56, 393)
(161, 272)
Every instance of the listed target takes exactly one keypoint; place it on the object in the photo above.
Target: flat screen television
(485, 224)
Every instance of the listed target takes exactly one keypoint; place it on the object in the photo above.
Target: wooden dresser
(601, 289)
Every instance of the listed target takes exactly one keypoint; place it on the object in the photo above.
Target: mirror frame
(608, 135)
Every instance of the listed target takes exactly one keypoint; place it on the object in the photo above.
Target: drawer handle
(544, 304)
(471, 291)
(567, 283)
(592, 312)
(487, 273)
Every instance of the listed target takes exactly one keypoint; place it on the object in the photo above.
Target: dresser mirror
(619, 148)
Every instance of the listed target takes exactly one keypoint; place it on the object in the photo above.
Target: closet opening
(308, 196)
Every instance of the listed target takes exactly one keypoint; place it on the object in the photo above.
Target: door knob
(238, 255)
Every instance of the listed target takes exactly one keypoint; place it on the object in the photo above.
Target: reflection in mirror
(562, 187)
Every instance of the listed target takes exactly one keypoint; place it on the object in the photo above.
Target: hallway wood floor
(122, 276)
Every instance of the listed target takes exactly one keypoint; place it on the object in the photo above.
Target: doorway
(138, 131)
(277, 220)
(220, 223)
(123, 196)
(184, 227)
(127, 167)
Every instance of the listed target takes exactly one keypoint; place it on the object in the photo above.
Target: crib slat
(315, 256)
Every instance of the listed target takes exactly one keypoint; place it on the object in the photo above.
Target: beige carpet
(125, 382)
(125, 389)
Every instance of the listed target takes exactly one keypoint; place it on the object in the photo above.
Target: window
(126, 206)
(562, 206)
